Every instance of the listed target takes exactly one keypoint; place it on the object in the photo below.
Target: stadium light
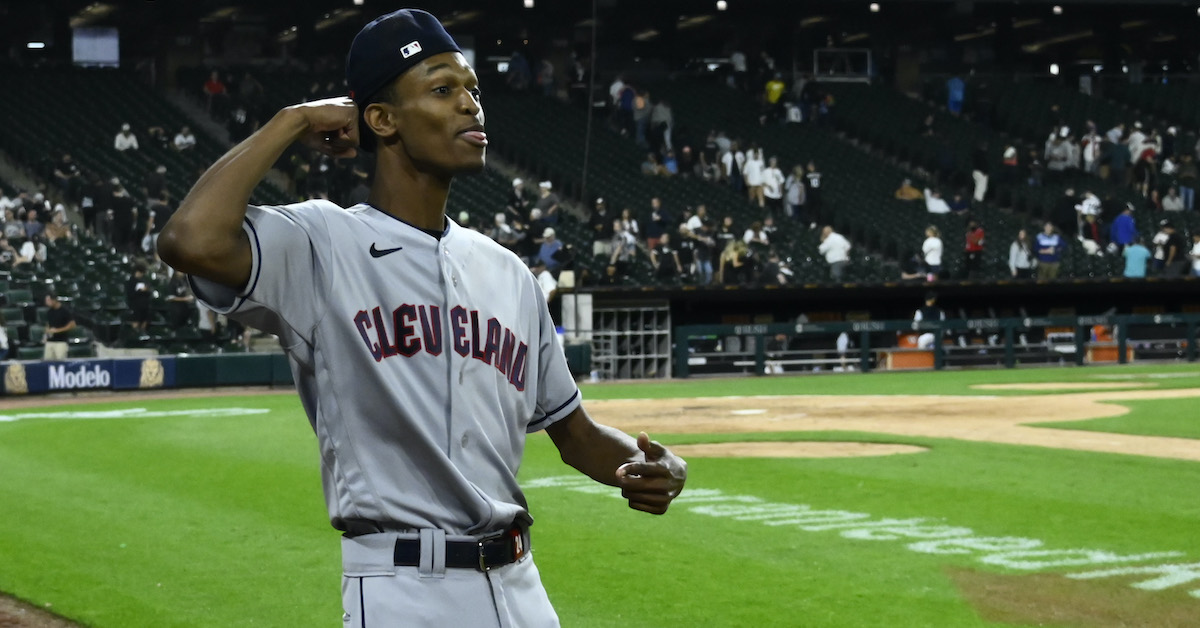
(722, 5)
(1054, 69)
(874, 7)
(36, 45)
(1057, 10)
(358, 3)
(528, 4)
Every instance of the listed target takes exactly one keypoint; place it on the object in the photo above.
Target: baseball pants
(378, 594)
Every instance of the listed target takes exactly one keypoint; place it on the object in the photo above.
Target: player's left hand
(652, 478)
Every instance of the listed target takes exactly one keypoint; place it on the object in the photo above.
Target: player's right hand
(332, 126)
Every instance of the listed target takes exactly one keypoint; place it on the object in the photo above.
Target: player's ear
(382, 120)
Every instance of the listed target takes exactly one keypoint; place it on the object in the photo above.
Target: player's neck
(417, 198)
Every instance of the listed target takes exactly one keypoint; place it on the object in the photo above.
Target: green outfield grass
(166, 521)
(1158, 417)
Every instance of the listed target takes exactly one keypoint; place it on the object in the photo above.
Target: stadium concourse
(689, 173)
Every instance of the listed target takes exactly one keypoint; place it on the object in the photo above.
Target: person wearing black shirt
(601, 225)
(59, 321)
(930, 312)
(180, 302)
(1175, 252)
(138, 296)
(813, 187)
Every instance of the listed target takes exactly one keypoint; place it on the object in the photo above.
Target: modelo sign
(76, 375)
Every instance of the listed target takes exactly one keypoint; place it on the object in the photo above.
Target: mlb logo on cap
(411, 49)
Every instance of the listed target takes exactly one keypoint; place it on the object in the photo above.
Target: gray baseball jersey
(421, 362)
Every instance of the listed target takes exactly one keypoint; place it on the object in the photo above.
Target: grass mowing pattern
(181, 521)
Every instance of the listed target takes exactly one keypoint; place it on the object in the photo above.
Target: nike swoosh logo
(378, 253)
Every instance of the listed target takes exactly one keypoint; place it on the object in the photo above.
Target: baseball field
(1031, 497)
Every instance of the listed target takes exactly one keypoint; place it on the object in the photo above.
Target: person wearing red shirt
(974, 250)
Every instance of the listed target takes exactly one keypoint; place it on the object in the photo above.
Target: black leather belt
(486, 554)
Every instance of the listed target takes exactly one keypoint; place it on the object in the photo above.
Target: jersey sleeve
(286, 290)
(557, 394)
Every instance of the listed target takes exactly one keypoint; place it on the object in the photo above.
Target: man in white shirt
(545, 278)
(836, 250)
(125, 140)
(184, 140)
(935, 203)
(773, 186)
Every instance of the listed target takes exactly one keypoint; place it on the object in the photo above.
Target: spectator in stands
(836, 250)
(658, 223)
(1118, 162)
(812, 186)
(653, 167)
(59, 323)
(13, 228)
(33, 226)
(610, 277)
(664, 258)
(794, 195)
(772, 187)
(725, 233)
(624, 248)
(519, 75)
(8, 254)
(215, 95)
(973, 264)
(1159, 242)
(125, 140)
(3, 337)
(1145, 173)
(545, 279)
(958, 204)
(124, 217)
(931, 252)
(1050, 248)
(1035, 170)
(1136, 255)
(548, 204)
(735, 265)
(662, 122)
(519, 203)
(1021, 259)
(1058, 157)
(756, 238)
(1172, 202)
(138, 296)
(184, 139)
(906, 192)
(104, 225)
(179, 301)
(1091, 235)
(752, 171)
(775, 272)
(1187, 175)
(1175, 261)
(773, 99)
(58, 229)
(642, 108)
(980, 169)
(670, 163)
(158, 136)
(699, 229)
(503, 233)
(550, 246)
(1123, 230)
(732, 162)
(156, 182)
(630, 224)
(1194, 255)
(934, 203)
(66, 176)
(32, 252)
(600, 225)
(1089, 146)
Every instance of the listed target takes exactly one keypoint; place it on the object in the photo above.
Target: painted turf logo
(134, 413)
(922, 535)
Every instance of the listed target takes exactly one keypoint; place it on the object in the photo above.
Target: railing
(1008, 329)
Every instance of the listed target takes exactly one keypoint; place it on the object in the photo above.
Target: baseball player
(423, 352)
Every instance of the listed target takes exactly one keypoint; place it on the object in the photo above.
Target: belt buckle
(479, 545)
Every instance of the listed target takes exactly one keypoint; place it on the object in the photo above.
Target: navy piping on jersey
(550, 415)
(257, 270)
(445, 221)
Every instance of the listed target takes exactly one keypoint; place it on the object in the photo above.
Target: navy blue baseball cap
(390, 46)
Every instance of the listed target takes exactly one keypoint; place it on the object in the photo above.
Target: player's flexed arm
(205, 236)
(648, 474)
